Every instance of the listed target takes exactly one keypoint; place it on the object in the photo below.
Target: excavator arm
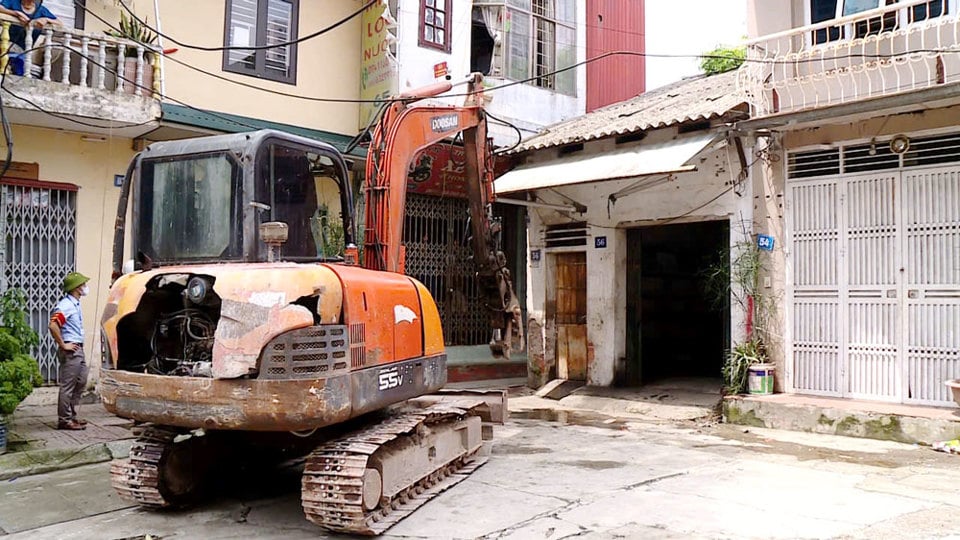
(403, 131)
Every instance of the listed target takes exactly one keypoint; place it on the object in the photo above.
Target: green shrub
(722, 59)
(18, 377)
(19, 372)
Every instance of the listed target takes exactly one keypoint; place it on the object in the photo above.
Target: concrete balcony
(80, 81)
(904, 47)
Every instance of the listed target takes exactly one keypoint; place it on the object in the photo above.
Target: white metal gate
(875, 284)
(38, 231)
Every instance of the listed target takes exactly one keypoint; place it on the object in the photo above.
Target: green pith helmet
(74, 280)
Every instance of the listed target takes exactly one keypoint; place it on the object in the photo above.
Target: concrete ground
(580, 474)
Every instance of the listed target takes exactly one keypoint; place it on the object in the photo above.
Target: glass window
(541, 39)
(435, 24)
(189, 208)
(303, 191)
(851, 7)
(261, 23)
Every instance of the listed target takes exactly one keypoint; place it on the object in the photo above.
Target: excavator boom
(406, 129)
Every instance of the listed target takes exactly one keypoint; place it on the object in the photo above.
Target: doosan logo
(439, 124)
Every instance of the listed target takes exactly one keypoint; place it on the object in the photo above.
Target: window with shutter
(259, 23)
(69, 14)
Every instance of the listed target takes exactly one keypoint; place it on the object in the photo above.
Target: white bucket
(760, 379)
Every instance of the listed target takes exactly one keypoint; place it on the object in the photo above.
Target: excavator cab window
(189, 208)
(303, 189)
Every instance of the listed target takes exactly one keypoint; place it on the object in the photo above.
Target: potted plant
(736, 277)
(19, 372)
(746, 369)
(131, 29)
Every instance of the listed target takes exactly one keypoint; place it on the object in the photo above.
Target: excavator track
(137, 478)
(341, 478)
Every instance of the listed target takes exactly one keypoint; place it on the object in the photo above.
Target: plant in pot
(737, 276)
(132, 30)
(19, 372)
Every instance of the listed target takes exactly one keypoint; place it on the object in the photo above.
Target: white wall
(528, 107)
(704, 194)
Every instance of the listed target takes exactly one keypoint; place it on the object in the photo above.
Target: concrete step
(852, 418)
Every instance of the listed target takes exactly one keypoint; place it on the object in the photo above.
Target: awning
(643, 160)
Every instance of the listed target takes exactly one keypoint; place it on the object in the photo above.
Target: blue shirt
(72, 330)
(17, 34)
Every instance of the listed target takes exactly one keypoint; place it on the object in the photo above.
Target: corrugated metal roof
(690, 100)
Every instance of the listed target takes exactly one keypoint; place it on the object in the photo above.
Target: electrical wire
(142, 87)
(597, 58)
(515, 128)
(318, 33)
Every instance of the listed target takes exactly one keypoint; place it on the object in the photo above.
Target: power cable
(599, 57)
(142, 87)
(240, 83)
(320, 32)
(515, 128)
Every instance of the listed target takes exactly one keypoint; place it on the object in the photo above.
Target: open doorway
(674, 330)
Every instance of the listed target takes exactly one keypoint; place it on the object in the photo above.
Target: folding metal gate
(436, 235)
(38, 228)
(875, 284)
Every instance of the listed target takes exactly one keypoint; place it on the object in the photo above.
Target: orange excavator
(251, 333)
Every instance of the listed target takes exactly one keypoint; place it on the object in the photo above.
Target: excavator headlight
(197, 289)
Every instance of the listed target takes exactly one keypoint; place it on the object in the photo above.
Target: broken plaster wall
(705, 194)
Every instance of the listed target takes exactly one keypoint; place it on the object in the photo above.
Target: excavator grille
(308, 353)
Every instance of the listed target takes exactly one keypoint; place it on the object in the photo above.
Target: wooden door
(572, 316)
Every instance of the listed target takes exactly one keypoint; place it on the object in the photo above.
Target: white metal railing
(80, 58)
(909, 45)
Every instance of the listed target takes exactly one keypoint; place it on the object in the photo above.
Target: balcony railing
(906, 46)
(85, 59)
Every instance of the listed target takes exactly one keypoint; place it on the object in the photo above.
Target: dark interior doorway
(674, 330)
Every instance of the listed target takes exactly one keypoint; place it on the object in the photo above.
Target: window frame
(79, 14)
(847, 32)
(447, 44)
(531, 34)
(260, 70)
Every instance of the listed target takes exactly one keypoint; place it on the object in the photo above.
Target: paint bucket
(760, 379)
(3, 434)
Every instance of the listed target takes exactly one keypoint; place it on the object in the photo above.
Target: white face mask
(84, 290)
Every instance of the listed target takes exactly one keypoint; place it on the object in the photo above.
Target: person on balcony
(38, 17)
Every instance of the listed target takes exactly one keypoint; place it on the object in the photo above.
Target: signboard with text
(440, 170)
(378, 66)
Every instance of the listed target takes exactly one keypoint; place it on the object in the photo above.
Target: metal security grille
(875, 287)
(436, 236)
(39, 231)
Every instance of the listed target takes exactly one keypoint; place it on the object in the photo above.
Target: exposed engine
(172, 330)
(182, 344)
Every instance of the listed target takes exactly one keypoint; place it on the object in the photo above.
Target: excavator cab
(205, 200)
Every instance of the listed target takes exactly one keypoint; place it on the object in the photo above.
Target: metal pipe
(163, 72)
(518, 202)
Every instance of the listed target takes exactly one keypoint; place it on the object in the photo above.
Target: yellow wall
(64, 157)
(327, 66)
